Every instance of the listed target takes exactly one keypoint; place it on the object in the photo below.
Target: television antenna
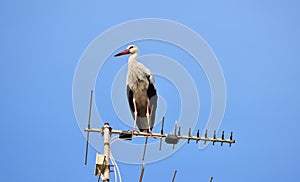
(102, 169)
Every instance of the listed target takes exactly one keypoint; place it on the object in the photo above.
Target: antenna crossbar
(159, 135)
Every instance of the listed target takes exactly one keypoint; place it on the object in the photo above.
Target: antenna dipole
(145, 147)
(142, 172)
(89, 126)
(162, 131)
(173, 179)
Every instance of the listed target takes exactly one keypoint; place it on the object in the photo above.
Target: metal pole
(106, 134)
(175, 172)
(142, 173)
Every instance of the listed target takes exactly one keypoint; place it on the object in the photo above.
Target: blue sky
(257, 46)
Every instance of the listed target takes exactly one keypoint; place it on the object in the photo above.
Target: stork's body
(141, 91)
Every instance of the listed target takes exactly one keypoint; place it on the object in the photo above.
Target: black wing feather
(151, 89)
(130, 98)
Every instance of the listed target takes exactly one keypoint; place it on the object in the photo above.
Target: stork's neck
(133, 57)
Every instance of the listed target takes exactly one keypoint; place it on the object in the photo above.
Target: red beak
(123, 53)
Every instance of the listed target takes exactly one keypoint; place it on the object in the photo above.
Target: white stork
(141, 91)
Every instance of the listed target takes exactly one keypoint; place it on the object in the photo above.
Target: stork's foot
(135, 131)
(148, 131)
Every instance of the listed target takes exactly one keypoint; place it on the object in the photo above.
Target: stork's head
(131, 49)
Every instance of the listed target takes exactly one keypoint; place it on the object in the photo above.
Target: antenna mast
(103, 161)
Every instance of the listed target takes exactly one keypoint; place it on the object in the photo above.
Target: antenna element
(88, 132)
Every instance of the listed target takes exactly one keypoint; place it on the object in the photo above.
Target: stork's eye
(130, 47)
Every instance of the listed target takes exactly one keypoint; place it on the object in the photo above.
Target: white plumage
(141, 91)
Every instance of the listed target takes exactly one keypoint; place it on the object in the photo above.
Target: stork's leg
(135, 117)
(148, 116)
